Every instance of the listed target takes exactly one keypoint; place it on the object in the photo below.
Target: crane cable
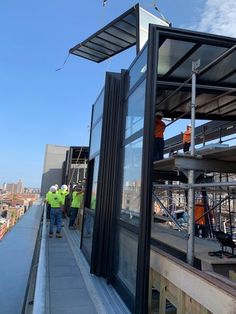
(159, 11)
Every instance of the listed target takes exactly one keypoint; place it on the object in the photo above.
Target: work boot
(50, 235)
(58, 235)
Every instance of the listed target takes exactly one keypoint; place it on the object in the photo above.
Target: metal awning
(127, 30)
(115, 37)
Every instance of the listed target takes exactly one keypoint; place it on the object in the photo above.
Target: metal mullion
(136, 85)
(96, 44)
(123, 31)
(221, 107)
(121, 39)
(128, 23)
(190, 36)
(132, 137)
(128, 226)
(143, 259)
(182, 60)
(216, 61)
(226, 76)
(230, 111)
(109, 42)
(188, 86)
(86, 55)
(90, 53)
(97, 50)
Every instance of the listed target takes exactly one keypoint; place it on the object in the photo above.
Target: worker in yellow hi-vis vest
(56, 202)
(76, 204)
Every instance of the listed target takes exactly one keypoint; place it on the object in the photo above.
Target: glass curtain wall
(94, 156)
(129, 207)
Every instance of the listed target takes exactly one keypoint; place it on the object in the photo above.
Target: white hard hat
(160, 114)
(53, 188)
(64, 187)
(189, 125)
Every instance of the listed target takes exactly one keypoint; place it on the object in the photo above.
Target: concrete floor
(67, 292)
(70, 287)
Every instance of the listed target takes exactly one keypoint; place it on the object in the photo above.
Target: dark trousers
(48, 211)
(73, 215)
(158, 150)
(186, 147)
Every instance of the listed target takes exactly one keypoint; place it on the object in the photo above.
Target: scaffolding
(208, 207)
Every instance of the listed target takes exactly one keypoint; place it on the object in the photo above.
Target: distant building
(20, 187)
(11, 188)
(55, 156)
(15, 188)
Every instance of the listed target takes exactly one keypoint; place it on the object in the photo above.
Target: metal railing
(40, 288)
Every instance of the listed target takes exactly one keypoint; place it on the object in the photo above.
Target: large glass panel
(126, 258)
(98, 107)
(205, 54)
(145, 19)
(170, 52)
(96, 139)
(95, 183)
(135, 110)
(130, 207)
(138, 69)
(88, 232)
(221, 70)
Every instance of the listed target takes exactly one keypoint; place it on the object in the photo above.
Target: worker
(187, 138)
(63, 191)
(56, 202)
(159, 137)
(76, 204)
(47, 204)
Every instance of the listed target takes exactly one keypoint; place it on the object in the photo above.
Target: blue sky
(42, 106)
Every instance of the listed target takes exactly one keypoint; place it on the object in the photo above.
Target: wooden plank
(232, 275)
(162, 305)
(150, 291)
(181, 302)
(197, 287)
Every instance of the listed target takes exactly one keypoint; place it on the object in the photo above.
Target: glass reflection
(170, 52)
(94, 184)
(126, 258)
(98, 107)
(96, 139)
(135, 110)
(138, 69)
(130, 210)
(205, 53)
(88, 232)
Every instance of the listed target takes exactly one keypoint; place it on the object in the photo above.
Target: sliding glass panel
(96, 139)
(94, 184)
(88, 232)
(135, 110)
(138, 69)
(126, 258)
(98, 107)
(170, 52)
(130, 208)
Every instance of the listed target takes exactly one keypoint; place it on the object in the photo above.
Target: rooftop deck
(70, 288)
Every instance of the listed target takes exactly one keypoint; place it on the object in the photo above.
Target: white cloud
(218, 17)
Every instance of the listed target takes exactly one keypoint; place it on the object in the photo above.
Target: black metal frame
(87, 190)
(156, 34)
(103, 237)
(141, 305)
(73, 50)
